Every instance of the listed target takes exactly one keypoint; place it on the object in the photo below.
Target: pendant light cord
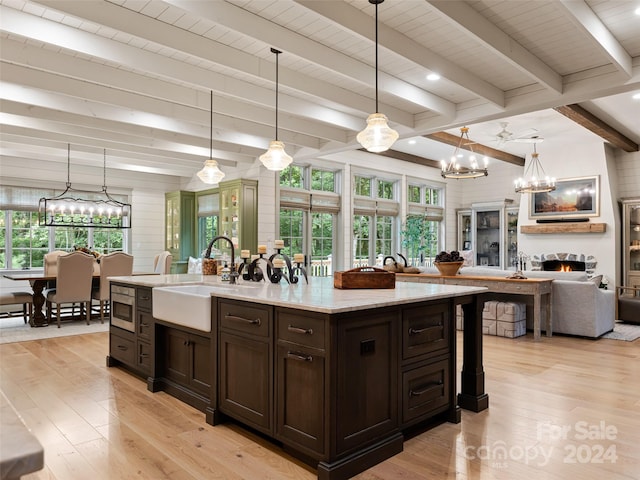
(277, 52)
(376, 58)
(211, 128)
(104, 170)
(68, 165)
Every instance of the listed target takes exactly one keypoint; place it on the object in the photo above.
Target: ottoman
(504, 319)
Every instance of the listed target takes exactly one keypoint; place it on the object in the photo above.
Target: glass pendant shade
(535, 180)
(275, 158)
(211, 173)
(377, 136)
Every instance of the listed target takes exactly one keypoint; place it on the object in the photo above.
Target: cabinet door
(367, 376)
(300, 397)
(201, 368)
(488, 238)
(245, 388)
(176, 355)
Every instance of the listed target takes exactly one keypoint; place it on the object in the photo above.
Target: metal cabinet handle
(422, 391)
(122, 347)
(145, 298)
(304, 331)
(144, 355)
(416, 331)
(299, 356)
(257, 322)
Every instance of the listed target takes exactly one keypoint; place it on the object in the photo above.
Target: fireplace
(576, 262)
(564, 266)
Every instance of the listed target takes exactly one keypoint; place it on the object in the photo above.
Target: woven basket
(448, 269)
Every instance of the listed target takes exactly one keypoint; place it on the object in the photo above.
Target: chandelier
(211, 173)
(453, 169)
(79, 208)
(377, 135)
(275, 158)
(537, 181)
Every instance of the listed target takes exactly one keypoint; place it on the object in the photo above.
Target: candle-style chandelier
(454, 169)
(82, 208)
(535, 180)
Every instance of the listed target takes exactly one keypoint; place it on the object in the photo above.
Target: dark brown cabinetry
(301, 378)
(134, 349)
(186, 360)
(245, 389)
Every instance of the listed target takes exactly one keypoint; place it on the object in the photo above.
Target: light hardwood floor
(101, 423)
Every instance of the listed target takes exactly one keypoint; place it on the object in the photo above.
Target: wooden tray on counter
(364, 277)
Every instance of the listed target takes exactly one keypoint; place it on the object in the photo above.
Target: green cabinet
(180, 218)
(239, 214)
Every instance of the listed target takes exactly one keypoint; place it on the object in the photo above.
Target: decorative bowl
(448, 269)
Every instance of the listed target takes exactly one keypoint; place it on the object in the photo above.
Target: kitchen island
(334, 376)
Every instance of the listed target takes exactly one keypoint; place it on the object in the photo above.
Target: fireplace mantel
(569, 227)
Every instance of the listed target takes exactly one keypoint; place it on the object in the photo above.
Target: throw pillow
(597, 280)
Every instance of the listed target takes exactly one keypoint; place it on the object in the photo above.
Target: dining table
(38, 282)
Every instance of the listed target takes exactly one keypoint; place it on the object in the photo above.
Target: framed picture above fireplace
(572, 198)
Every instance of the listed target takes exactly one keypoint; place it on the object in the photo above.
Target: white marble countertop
(317, 296)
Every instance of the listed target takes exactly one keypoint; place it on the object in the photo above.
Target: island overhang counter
(335, 376)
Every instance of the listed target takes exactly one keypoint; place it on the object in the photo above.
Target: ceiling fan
(526, 136)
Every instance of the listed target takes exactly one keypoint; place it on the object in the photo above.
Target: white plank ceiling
(134, 76)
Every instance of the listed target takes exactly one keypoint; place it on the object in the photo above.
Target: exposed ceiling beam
(477, 148)
(261, 29)
(408, 157)
(592, 123)
(471, 23)
(353, 20)
(142, 26)
(587, 21)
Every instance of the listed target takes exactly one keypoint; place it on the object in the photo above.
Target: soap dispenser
(226, 273)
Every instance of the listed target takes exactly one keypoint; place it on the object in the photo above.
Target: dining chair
(162, 263)
(51, 262)
(73, 283)
(111, 265)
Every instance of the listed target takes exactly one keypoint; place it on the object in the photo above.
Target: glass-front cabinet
(238, 215)
(631, 241)
(179, 228)
(490, 230)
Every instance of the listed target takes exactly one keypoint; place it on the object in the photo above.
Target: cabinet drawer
(144, 325)
(143, 298)
(144, 357)
(244, 317)
(425, 329)
(123, 349)
(424, 390)
(302, 328)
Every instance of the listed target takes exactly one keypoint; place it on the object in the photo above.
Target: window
(421, 234)
(308, 211)
(23, 242)
(208, 207)
(375, 219)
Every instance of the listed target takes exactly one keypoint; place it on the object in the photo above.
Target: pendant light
(82, 208)
(538, 181)
(275, 158)
(377, 136)
(211, 173)
(453, 169)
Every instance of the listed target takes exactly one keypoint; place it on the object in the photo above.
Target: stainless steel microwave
(123, 307)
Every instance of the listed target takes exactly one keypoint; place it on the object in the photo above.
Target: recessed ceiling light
(636, 96)
(412, 142)
(433, 77)
(637, 12)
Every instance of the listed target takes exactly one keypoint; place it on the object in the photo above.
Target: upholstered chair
(73, 283)
(162, 263)
(51, 262)
(111, 265)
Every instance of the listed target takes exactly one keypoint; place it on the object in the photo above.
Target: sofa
(578, 306)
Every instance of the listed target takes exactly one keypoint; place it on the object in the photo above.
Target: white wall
(587, 158)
